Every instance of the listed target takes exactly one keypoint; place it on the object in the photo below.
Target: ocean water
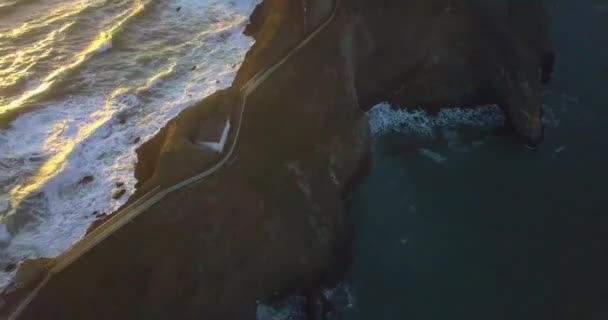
(458, 221)
(82, 84)
(455, 220)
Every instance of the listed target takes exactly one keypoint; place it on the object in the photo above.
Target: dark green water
(497, 232)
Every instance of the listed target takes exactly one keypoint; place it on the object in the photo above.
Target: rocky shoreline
(273, 221)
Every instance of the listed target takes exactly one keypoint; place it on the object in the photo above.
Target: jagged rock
(10, 267)
(122, 118)
(272, 221)
(100, 218)
(29, 274)
(118, 194)
(257, 19)
(86, 180)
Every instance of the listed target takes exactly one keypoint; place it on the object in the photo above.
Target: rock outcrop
(271, 221)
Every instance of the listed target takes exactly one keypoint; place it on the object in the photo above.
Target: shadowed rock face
(272, 221)
(456, 53)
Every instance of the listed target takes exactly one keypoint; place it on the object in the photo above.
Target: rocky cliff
(271, 220)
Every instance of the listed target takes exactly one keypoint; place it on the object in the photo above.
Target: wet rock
(318, 306)
(122, 118)
(118, 194)
(119, 184)
(86, 180)
(10, 267)
(32, 269)
(100, 219)
(29, 274)
(257, 19)
(193, 68)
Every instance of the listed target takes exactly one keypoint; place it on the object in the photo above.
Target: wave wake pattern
(101, 43)
(100, 108)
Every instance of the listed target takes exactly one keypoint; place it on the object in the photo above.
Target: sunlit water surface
(82, 84)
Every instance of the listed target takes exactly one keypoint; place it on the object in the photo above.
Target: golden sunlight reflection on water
(55, 164)
(102, 42)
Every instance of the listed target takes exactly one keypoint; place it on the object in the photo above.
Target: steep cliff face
(429, 54)
(271, 220)
(440, 53)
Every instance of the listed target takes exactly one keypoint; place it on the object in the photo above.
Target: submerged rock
(86, 180)
(270, 221)
(10, 267)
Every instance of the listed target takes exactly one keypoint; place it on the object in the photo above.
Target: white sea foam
(294, 307)
(97, 134)
(104, 46)
(342, 296)
(283, 312)
(383, 119)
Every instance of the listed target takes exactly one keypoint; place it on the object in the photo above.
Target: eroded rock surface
(272, 220)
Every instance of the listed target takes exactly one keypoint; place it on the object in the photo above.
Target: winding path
(124, 216)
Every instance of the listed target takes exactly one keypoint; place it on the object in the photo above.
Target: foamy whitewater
(88, 82)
